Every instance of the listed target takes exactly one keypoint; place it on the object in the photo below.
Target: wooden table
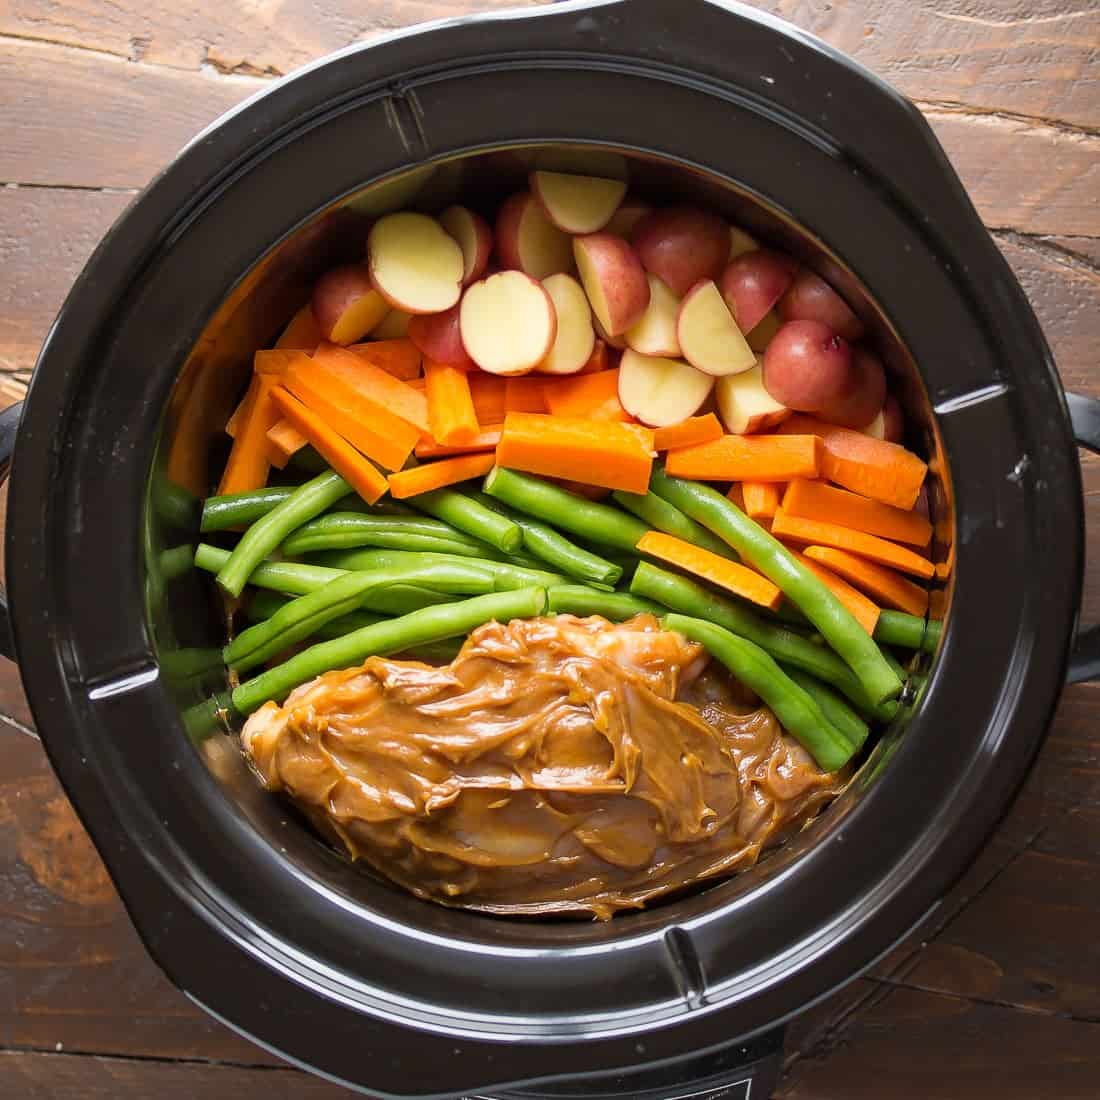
(999, 995)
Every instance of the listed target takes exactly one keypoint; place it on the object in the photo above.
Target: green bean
(590, 519)
(553, 548)
(908, 631)
(766, 553)
(662, 516)
(506, 576)
(346, 530)
(400, 599)
(302, 617)
(691, 598)
(579, 599)
(241, 509)
(471, 516)
(431, 624)
(176, 560)
(307, 501)
(836, 710)
(173, 505)
(796, 710)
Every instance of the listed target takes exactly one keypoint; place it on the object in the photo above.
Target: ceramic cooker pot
(117, 639)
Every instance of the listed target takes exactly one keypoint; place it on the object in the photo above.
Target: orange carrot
(863, 610)
(587, 396)
(375, 384)
(284, 440)
(485, 440)
(816, 500)
(761, 498)
(696, 429)
(487, 391)
(944, 568)
(883, 471)
(737, 495)
(357, 471)
(613, 455)
(451, 416)
(884, 584)
(401, 358)
(856, 542)
(276, 360)
(370, 428)
(748, 458)
(524, 395)
(303, 332)
(233, 424)
(248, 464)
(435, 475)
(597, 361)
(712, 567)
(937, 604)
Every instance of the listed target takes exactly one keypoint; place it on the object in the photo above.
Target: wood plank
(914, 1045)
(1029, 59)
(30, 1075)
(72, 970)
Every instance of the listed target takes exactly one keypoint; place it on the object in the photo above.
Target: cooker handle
(1084, 661)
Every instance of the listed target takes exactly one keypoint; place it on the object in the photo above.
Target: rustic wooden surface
(999, 995)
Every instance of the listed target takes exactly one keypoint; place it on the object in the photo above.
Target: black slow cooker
(118, 640)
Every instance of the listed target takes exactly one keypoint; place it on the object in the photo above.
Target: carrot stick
(276, 361)
(872, 467)
(365, 424)
(375, 383)
(248, 464)
(401, 358)
(284, 440)
(451, 416)
(761, 498)
(937, 604)
(436, 475)
(356, 470)
(712, 567)
(485, 440)
(233, 424)
(863, 610)
(487, 391)
(586, 396)
(524, 395)
(597, 361)
(856, 542)
(696, 429)
(303, 332)
(616, 456)
(816, 500)
(747, 458)
(943, 568)
(737, 495)
(883, 584)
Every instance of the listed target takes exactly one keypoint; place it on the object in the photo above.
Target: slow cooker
(118, 641)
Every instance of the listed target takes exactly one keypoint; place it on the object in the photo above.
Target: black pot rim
(91, 675)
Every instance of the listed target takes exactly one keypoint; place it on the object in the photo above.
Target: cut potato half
(577, 204)
(575, 339)
(709, 337)
(745, 406)
(659, 391)
(415, 264)
(655, 332)
(507, 322)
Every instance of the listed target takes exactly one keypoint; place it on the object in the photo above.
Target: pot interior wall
(189, 623)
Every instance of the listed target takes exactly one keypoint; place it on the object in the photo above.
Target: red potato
(575, 340)
(613, 280)
(810, 298)
(577, 204)
(762, 333)
(864, 396)
(659, 391)
(528, 241)
(709, 337)
(507, 322)
(472, 234)
(630, 212)
(414, 263)
(346, 305)
(682, 245)
(654, 333)
(438, 337)
(745, 406)
(393, 326)
(753, 283)
(889, 423)
(740, 243)
(807, 366)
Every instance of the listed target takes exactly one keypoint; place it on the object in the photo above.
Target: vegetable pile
(639, 410)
